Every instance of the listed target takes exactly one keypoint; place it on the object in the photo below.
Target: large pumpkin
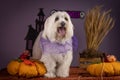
(104, 69)
(26, 69)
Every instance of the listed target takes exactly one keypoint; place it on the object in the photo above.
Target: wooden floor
(75, 74)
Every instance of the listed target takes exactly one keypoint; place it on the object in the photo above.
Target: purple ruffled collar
(54, 47)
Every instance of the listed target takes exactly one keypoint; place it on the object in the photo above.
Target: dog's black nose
(62, 24)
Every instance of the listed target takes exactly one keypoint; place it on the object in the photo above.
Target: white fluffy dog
(53, 46)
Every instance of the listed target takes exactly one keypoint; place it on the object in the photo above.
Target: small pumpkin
(111, 58)
(26, 68)
(104, 69)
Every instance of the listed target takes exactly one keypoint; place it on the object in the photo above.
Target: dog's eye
(66, 18)
(57, 18)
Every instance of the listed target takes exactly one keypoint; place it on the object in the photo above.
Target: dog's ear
(53, 11)
(44, 35)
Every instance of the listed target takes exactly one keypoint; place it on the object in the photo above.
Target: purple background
(16, 15)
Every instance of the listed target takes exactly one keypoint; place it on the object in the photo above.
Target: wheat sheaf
(97, 25)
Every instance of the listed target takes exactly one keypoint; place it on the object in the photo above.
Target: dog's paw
(50, 75)
(61, 74)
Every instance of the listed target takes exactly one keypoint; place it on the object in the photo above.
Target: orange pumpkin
(27, 68)
(104, 69)
(111, 58)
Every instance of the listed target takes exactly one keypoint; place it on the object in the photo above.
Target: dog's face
(58, 27)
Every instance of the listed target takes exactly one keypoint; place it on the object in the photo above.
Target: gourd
(27, 68)
(104, 69)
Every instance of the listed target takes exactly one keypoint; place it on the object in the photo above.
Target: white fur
(56, 64)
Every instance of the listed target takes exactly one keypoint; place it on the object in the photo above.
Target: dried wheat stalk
(97, 26)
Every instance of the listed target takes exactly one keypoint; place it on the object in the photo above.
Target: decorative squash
(26, 68)
(104, 69)
(111, 58)
(108, 58)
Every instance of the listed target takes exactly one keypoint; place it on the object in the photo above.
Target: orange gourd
(26, 68)
(104, 69)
